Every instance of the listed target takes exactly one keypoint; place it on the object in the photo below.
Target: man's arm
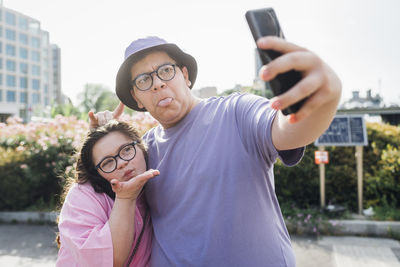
(320, 84)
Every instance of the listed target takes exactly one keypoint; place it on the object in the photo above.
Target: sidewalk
(33, 245)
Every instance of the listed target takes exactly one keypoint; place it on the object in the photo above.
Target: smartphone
(264, 22)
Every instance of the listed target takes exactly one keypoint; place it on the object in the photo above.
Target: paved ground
(33, 245)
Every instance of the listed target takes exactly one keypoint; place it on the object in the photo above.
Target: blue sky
(359, 39)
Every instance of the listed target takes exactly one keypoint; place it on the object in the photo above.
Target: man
(214, 202)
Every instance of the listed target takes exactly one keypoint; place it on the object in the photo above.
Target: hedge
(35, 157)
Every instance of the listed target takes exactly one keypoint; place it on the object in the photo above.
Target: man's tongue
(165, 102)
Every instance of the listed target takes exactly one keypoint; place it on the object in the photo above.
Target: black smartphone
(264, 22)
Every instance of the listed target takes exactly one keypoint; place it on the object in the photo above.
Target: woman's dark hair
(85, 169)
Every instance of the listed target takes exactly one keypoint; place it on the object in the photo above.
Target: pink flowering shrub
(36, 157)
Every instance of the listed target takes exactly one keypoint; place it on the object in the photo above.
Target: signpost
(345, 130)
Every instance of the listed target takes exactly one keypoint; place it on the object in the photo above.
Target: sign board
(321, 157)
(345, 130)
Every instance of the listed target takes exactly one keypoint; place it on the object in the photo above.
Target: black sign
(345, 130)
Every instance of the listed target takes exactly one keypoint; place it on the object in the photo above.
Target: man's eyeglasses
(109, 164)
(144, 81)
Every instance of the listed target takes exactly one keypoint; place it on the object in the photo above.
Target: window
(35, 98)
(35, 70)
(23, 23)
(10, 65)
(23, 97)
(23, 38)
(10, 35)
(23, 67)
(35, 84)
(35, 42)
(1, 47)
(1, 79)
(23, 82)
(1, 95)
(1, 63)
(11, 96)
(35, 56)
(46, 89)
(34, 27)
(1, 30)
(23, 52)
(11, 80)
(10, 18)
(46, 101)
(10, 50)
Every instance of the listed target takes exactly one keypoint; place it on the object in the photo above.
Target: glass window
(1, 95)
(10, 35)
(23, 82)
(10, 65)
(23, 52)
(11, 96)
(35, 56)
(34, 27)
(35, 98)
(36, 84)
(1, 47)
(10, 18)
(36, 70)
(23, 97)
(23, 38)
(46, 101)
(35, 42)
(23, 23)
(1, 63)
(23, 67)
(1, 30)
(1, 79)
(46, 89)
(10, 50)
(11, 80)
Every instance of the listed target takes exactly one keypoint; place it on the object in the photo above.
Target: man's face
(167, 101)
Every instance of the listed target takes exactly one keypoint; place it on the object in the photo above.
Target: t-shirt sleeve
(254, 119)
(84, 229)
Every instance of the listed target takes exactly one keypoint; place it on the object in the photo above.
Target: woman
(104, 219)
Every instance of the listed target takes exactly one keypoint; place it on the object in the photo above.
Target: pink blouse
(85, 233)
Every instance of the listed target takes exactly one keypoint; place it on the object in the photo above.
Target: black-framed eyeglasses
(109, 164)
(144, 81)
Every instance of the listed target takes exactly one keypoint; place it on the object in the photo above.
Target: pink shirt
(85, 233)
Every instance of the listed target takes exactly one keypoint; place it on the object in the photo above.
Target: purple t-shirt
(214, 203)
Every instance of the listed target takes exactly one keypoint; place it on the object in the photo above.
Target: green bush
(381, 169)
(35, 159)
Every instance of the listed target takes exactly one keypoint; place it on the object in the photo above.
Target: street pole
(359, 158)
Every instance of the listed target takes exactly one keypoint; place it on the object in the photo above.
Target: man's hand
(131, 189)
(319, 82)
(101, 118)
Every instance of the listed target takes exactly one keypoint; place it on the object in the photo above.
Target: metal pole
(322, 179)
(359, 157)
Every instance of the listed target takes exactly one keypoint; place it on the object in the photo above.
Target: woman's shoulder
(85, 191)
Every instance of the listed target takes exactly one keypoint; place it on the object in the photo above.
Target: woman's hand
(131, 189)
(101, 118)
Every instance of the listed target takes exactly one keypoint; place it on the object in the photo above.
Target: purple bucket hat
(134, 51)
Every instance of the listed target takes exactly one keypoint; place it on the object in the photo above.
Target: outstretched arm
(320, 84)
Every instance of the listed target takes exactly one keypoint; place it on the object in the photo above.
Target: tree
(90, 95)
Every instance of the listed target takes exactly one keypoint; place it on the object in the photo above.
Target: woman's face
(111, 145)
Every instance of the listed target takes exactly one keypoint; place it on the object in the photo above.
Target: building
(30, 79)
(205, 92)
